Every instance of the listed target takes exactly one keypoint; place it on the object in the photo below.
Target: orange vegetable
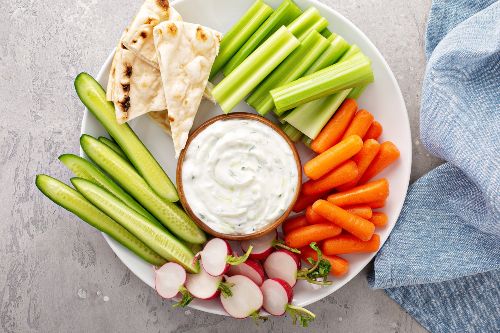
(355, 225)
(362, 194)
(343, 244)
(363, 160)
(303, 201)
(374, 132)
(303, 236)
(379, 219)
(376, 204)
(387, 154)
(341, 175)
(294, 223)
(359, 124)
(333, 157)
(331, 134)
(340, 266)
(362, 211)
(314, 218)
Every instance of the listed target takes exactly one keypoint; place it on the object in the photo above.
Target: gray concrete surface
(58, 275)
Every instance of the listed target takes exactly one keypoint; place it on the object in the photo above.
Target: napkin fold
(441, 263)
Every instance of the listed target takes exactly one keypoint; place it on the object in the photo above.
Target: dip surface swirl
(239, 176)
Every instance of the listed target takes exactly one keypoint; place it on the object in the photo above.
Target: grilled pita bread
(137, 87)
(139, 35)
(161, 118)
(185, 52)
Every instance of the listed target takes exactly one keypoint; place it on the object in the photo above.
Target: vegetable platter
(299, 64)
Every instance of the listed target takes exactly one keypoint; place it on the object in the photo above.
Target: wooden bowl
(185, 204)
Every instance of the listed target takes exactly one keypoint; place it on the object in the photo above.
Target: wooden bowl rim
(187, 208)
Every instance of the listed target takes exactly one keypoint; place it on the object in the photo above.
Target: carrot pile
(342, 194)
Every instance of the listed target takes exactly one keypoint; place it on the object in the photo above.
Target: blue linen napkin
(441, 263)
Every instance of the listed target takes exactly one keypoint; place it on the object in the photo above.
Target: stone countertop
(57, 274)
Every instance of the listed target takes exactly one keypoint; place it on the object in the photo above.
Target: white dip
(239, 175)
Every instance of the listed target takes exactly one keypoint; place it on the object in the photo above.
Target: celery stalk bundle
(292, 68)
(240, 82)
(353, 72)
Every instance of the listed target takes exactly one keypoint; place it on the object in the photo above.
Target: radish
(246, 298)
(277, 297)
(169, 281)
(262, 246)
(284, 265)
(252, 269)
(206, 286)
(216, 257)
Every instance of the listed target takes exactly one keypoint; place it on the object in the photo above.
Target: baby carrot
(363, 159)
(362, 194)
(343, 244)
(331, 134)
(314, 218)
(303, 201)
(341, 175)
(387, 154)
(374, 132)
(359, 124)
(340, 266)
(333, 157)
(376, 204)
(355, 225)
(303, 236)
(379, 219)
(294, 223)
(362, 211)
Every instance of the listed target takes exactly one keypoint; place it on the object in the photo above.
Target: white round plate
(382, 98)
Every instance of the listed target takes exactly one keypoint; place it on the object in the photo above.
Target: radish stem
(302, 315)
(185, 300)
(256, 317)
(318, 272)
(279, 243)
(234, 261)
(225, 289)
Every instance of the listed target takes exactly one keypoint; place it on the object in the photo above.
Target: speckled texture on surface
(59, 275)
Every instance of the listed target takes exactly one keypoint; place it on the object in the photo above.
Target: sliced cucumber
(158, 239)
(69, 199)
(86, 170)
(94, 98)
(168, 213)
(111, 144)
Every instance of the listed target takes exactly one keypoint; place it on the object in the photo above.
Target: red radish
(169, 281)
(246, 298)
(284, 265)
(216, 257)
(262, 246)
(277, 297)
(252, 269)
(204, 285)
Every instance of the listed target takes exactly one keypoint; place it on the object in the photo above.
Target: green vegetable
(294, 134)
(86, 170)
(353, 72)
(157, 238)
(327, 33)
(283, 15)
(319, 270)
(290, 69)
(353, 50)
(240, 82)
(334, 51)
(169, 214)
(301, 315)
(310, 20)
(234, 39)
(94, 98)
(310, 118)
(356, 92)
(306, 141)
(111, 144)
(71, 200)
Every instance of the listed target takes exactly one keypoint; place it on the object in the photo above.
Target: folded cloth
(442, 261)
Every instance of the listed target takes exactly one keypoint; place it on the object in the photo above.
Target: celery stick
(310, 118)
(306, 141)
(334, 51)
(326, 33)
(354, 49)
(240, 82)
(240, 33)
(302, 25)
(348, 74)
(294, 134)
(283, 15)
(356, 92)
(290, 69)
